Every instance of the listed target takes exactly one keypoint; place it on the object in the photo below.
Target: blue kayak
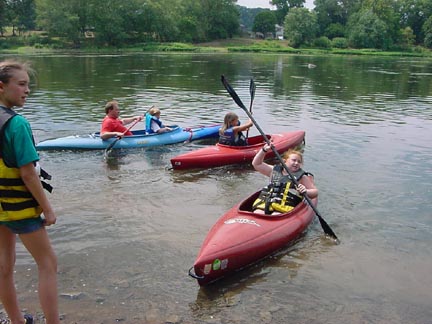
(139, 139)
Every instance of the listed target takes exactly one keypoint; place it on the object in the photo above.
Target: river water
(129, 230)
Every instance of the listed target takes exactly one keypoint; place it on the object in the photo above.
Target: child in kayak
(281, 195)
(23, 199)
(153, 122)
(231, 131)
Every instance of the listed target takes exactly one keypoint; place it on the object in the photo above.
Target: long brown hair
(229, 117)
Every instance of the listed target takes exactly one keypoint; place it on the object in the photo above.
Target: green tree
(366, 30)
(196, 20)
(386, 11)
(333, 14)
(408, 37)
(427, 30)
(334, 30)
(265, 22)
(3, 16)
(61, 18)
(300, 26)
(413, 14)
(21, 14)
(119, 22)
(284, 6)
(109, 19)
(247, 16)
(152, 20)
(190, 25)
(220, 17)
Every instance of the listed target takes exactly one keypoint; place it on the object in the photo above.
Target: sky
(265, 3)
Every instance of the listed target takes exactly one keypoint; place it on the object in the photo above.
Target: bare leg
(8, 294)
(39, 246)
(260, 211)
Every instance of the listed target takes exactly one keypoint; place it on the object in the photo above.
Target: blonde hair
(7, 68)
(154, 110)
(293, 151)
(228, 119)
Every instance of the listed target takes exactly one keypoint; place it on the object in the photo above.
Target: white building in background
(279, 32)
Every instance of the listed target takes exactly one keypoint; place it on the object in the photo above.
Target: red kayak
(241, 238)
(219, 154)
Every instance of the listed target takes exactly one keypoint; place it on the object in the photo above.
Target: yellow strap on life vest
(26, 209)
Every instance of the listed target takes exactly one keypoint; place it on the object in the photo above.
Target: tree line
(380, 24)
(117, 23)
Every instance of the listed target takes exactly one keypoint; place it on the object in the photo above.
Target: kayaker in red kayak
(281, 195)
(231, 131)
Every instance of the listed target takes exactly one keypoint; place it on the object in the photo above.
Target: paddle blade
(252, 88)
(327, 229)
(232, 93)
(110, 147)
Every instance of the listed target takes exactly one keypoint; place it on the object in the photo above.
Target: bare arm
(125, 121)
(307, 186)
(107, 135)
(243, 127)
(129, 120)
(33, 184)
(259, 164)
(164, 130)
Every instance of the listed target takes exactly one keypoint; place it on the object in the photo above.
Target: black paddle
(252, 88)
(111, 146)
(326, 228)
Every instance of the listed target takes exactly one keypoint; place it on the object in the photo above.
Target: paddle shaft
(237, 100)
(252, 88)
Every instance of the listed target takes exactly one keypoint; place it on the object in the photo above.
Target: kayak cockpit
(246, 206)
(256, 141)
(141, 132)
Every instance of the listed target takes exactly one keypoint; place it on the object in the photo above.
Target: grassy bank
(243, 45)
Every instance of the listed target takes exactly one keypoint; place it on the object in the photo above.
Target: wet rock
(100, 299)
(122, 284)
(152, 316)
(266, 317)
(274, 309)
(73, 295)
(173, 319)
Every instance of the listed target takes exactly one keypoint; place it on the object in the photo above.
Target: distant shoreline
(234, 45)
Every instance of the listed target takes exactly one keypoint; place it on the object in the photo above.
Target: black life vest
(228, 138)
(281, 194)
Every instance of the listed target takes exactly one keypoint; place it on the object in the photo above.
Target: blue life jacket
(148, 122)
(228, 138)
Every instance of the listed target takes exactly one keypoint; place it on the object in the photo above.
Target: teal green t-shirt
(18, 146)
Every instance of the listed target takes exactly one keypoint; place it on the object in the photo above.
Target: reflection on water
(130, 227)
